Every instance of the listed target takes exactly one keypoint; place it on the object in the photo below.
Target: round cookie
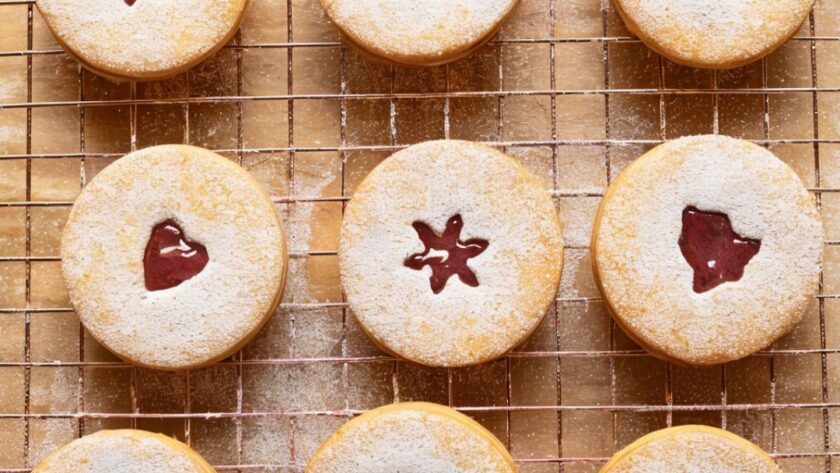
(142, 39)
(124, 451)
(415, 437)
(714, 34)
(174, 257)
(707, 249)
(418, 32)
(450, 253)
(690, 449)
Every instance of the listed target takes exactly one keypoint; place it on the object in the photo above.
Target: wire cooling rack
(563, 87)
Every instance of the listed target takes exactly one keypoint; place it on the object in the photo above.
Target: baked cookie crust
(148, 40)
(507, 219)
(691, 448)
(647, 283)
(418, 32)
(408, 437)
(218, 205)
(713, 34)
(124, 451)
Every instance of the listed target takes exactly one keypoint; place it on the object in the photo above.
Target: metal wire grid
(667, 407)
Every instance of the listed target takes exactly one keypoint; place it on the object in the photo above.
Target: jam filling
(170, 258)
(130, 2)
(446, 254)
(715, 252)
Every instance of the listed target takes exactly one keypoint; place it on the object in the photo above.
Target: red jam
(446, 254)
(130, 2)
(170, 258)
(715, 252)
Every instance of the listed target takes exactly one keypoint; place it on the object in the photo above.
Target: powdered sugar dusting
(695, 450)
(417, 30)
(410, 438)
(718, 32)
(147, 38)
(123, 451)
(648, 283)
(518, 272)
(301, 220)
(218, 205)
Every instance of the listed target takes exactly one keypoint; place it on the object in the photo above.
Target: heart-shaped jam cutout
(446, 254)
(715, 252)
(171, 258)
(130, 2)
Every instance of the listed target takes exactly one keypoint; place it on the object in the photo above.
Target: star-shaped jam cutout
(171, 258)
(715, 252)
(446, 254)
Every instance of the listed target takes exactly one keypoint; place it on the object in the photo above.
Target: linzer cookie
(142, 39)
(124, 451)
(707, 249)
(690, 449)
(716, 34)
(174, 257)
(418, 32)
(450, 253)
(412, 437)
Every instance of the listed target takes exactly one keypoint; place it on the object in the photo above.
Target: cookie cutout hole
(446, 253)
(130, 2)
(713, 250)
(171, 258)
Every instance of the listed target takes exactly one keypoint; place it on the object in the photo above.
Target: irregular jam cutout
(446, 254)
(171, 258)
(715, 252)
